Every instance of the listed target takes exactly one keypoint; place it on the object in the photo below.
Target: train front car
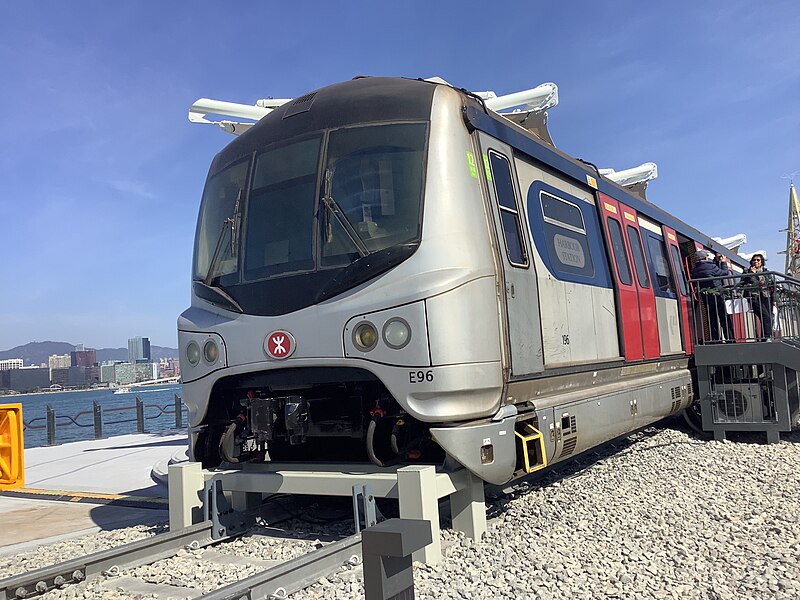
(345, 297)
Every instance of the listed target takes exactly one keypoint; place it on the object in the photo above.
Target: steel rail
(111, 561)
(293, 575)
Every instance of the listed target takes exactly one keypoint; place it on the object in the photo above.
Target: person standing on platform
(719, 321)
(757, 290)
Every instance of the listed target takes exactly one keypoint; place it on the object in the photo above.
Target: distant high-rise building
(10, 363)
(27, 379)
(59, 361)
(139, 349)
(82, 357)
(107, 373)
(124, 373)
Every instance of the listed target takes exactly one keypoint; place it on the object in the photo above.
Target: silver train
(389, 270)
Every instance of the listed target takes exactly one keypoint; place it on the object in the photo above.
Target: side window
(565, 234)
(509, 213)
(638, 257)
(620, 255)
(676, 262)
(664, 279)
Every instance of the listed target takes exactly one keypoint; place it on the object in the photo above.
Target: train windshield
(313, 208)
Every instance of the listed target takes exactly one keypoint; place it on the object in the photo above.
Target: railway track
(272, 579)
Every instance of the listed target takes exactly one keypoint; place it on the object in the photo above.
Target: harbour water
(118, 412)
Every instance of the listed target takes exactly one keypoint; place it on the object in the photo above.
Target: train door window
(565, 231)
(638, 257)
(620, 255)
(676, 261)
(664, 281)
(509, 212)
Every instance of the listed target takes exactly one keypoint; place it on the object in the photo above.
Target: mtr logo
(279, 344)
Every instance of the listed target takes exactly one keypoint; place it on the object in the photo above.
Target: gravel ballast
(666, 515)
(661, 515)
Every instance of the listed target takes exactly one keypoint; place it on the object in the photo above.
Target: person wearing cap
(759, 294)
(714, 301)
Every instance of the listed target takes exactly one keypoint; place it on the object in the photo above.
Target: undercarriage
(318, 414)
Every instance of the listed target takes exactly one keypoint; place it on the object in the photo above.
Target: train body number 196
(420, 376)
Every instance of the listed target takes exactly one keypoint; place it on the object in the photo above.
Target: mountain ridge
(35, 353)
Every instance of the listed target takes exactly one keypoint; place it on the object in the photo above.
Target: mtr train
(400, 271)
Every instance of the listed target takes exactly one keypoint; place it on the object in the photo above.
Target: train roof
(360, 100)
(585, 174)
(372, 99)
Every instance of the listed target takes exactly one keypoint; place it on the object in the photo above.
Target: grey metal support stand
(386, 549)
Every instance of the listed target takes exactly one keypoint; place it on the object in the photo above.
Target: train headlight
(365, 336)
(193, 353)
(210, 352)
(396, 333)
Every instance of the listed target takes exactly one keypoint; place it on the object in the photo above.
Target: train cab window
(509, 213)
(280, 214)
(565, 231)
(375, 185)
(664, 281)
(620, 255)
(676, 262)
(216, 251)
(638, 257)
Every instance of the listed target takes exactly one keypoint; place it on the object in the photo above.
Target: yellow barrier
(12, 447)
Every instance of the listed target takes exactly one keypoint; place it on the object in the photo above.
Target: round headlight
(365, 336)
(396, 333)
(193, 353)
(210, 352)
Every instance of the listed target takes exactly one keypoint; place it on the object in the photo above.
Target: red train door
(684, 303)
(644, 287)
(627, 295)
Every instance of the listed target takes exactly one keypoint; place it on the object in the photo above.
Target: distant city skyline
(103, 173)
(82, 345)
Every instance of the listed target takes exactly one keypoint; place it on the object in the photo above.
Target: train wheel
(694, 419)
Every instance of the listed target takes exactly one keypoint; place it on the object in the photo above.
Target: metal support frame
(217, 509)
(774, 378)
(363, 507)
(418, 489)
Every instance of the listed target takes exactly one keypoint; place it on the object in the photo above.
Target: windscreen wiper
(212, 266)
(220, 297)
(332, 207)
(231, 222)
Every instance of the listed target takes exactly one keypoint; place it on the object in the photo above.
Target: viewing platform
(747, 353)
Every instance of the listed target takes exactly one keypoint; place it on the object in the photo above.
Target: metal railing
(748, 307)
(51, 422)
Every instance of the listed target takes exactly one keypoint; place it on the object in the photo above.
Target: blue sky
(102, 173)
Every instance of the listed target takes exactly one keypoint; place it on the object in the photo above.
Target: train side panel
(576, 299)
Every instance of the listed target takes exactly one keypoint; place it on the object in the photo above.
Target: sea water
(118, 412)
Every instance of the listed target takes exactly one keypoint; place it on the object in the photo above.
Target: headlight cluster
(193, 353)
(210, 352)
(396, 334)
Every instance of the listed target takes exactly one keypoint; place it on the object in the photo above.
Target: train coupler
(278, 417)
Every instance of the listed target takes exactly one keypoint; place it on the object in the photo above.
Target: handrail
(52, 421)
(746, 307)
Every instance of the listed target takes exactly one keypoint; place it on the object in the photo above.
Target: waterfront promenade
(88, 486)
